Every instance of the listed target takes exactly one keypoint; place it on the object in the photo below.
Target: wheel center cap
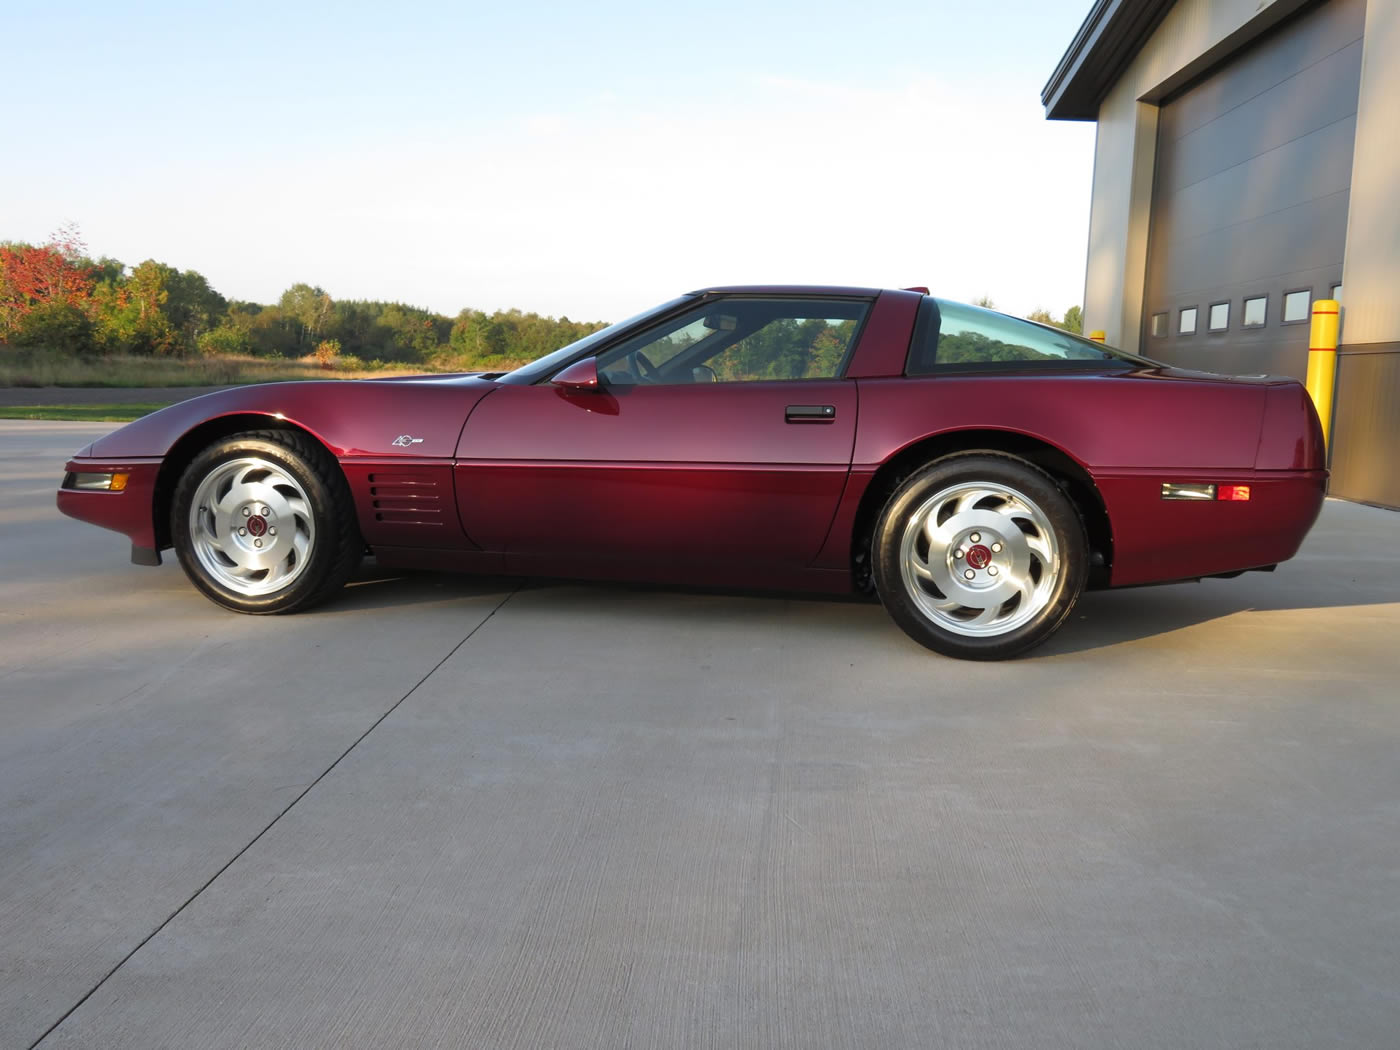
(257, 525)
(979, 557)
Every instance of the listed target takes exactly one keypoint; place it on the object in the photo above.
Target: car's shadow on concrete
(1101, 619)
(1110, 617)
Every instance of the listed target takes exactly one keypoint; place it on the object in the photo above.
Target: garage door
(1250, 199)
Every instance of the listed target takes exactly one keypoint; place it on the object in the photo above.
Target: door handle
(810, 414)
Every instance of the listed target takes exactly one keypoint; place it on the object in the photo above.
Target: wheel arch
(196, 439)
(1067, 472)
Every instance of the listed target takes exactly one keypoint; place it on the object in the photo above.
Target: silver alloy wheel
(251, 526)
(979, 559)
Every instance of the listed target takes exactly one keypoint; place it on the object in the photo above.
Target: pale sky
(580, 159)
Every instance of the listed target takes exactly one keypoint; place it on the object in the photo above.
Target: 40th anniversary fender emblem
(404, 440)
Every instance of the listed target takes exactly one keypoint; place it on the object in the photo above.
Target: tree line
(1072, 321)
(56, 298)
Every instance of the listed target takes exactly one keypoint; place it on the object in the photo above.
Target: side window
(970, 338)
(741, 341)
(659, 349)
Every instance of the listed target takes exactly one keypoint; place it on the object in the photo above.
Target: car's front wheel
(264, 522)
(980, 556)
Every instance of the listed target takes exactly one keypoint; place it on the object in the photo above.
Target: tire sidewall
(309, 580)
(992, 469)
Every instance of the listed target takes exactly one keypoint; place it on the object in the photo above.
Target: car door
(722, 436)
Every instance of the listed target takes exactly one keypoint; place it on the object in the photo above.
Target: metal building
(1247, 163)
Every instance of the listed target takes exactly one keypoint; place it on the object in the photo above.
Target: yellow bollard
(1322, 360)
(1097, 335)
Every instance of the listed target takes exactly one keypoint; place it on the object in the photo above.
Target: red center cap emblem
(257, 525)
(979, 557)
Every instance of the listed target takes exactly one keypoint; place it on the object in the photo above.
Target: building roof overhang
(1109, 39)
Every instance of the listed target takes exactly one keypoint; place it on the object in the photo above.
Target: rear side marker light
(1188, 491)
(1201, 492)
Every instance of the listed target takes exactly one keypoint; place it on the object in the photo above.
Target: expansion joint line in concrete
(272, 823)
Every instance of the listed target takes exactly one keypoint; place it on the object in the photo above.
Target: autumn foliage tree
(327, 350)
(46, 293)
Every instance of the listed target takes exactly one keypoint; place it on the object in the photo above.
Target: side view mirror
(581, 377)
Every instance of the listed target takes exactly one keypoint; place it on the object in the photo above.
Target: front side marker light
(97, 482)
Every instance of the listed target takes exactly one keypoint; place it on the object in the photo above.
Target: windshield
(551, 363)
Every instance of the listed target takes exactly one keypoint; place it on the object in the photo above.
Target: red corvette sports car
(975, 470)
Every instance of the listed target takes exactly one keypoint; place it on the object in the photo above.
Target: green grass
(81, 413)
(47, 369)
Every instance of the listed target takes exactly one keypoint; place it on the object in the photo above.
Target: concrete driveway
(459, 812)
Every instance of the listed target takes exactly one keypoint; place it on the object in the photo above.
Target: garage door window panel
(1186, 321)
(1219, 319)
(1256, 311)
(1297, 305)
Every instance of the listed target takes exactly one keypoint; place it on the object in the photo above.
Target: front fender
(351, 418)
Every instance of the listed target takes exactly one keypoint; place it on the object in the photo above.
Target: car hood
(427, 378)
(418, 416)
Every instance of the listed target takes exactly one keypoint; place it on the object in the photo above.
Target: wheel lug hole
(264, 511)
(257, 543)
(272, 532)
(996, 548)
(242, 532)
(246, 512)
(958, 553)
(992, 570)
(976, 537)
(969, 574)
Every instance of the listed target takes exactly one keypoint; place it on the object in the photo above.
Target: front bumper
(130, 511)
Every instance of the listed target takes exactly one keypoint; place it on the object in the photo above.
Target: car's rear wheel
(980, 556)
(264, 522)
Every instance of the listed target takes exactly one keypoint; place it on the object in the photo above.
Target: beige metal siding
(1118, 218)
(1366, 427)
(1371, 298)
(1197, 34)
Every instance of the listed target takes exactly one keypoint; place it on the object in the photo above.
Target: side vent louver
(406, 499)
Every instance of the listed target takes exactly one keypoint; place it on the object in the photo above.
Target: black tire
(1019, 550)
(319, 545)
